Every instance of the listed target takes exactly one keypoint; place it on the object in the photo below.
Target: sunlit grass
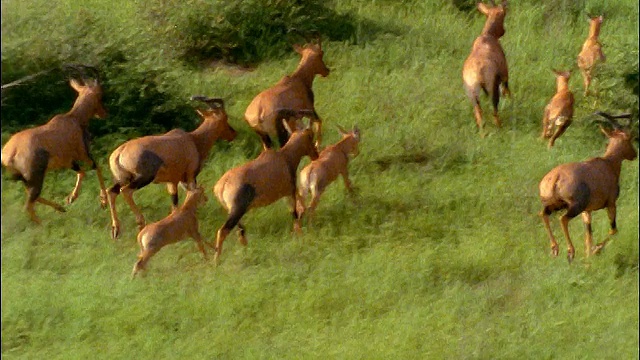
(441, 256)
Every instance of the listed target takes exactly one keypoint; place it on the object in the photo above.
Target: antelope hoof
(597, 249)
(71, 198)
(103, 200)
(554, 251)
(613, 231)
(115, 232)
(570, 256)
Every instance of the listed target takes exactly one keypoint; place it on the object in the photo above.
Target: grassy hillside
(441, 256)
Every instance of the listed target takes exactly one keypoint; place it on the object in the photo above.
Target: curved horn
(612, 119)
(82, 71)
(213, 103)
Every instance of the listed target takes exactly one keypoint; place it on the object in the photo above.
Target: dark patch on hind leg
(240, 205)
(152, 163)
(36, 179)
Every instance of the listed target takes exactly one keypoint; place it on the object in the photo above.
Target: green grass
(442, 256)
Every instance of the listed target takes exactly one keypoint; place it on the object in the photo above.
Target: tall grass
(442, 256)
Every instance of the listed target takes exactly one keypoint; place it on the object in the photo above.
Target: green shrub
(243, 32)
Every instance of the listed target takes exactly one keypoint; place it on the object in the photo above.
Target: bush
(241, 32)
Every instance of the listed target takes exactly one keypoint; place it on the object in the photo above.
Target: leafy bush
(242, 32)
(135, 54)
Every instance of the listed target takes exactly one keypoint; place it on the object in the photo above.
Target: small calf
(333, 161)
(591, 53)
(558, 113)
(181, 223)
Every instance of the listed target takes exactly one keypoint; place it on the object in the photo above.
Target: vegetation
(441, 256)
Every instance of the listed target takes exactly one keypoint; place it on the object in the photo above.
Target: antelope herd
(177, 157)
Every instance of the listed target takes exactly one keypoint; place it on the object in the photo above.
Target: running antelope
(591, 53)
(291, 98)
(174, 157)
(583, 187)
(558, 114)
(61, 143)
(177, 226)
(262, 181)
(333, 161)
(486, 67)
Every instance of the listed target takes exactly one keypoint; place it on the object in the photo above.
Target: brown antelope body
(61, 143)
(486, 67)
(291, 98)
(591, 53)
(177, 226)
(332, 162)
(174, 157)
(262, 181)
(558, 114)
(583, 187)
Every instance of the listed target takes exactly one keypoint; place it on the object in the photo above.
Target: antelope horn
(612, 119)
(213, 103)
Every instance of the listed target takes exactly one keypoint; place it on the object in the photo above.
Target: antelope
(172, 158)
(558, 113)
(61, 143)
(591, 53)
(583, 187)
(262, 181)
(291, 98)
(486, 66)
(332, 161)
(177, 226)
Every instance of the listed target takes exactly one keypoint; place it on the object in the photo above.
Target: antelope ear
(286, 126)
(606, 132)
(483, 8)
(76, 84)
(202, 115)
(342, 131)
(356, 133)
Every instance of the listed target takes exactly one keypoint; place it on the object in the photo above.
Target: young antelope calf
(61, 143)
(291, 98)
(171, 158)
(333, 161)
(262, 181)
(486, 66)
(181, 223)
(558, 113)
(587, 186)
(591, 53)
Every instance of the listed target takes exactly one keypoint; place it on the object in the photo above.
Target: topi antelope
(332, 161)
(291, 98)
(591, 53)
(61, 143)
(486, 66)
(262, 181)
(174, 157)
(583, 187)
(177, 226)
(558, 114)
